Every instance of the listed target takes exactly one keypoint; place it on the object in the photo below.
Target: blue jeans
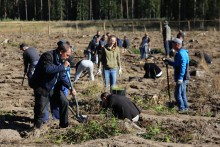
(180, 95)
(110, 74)
(167, 47)
(142, 51)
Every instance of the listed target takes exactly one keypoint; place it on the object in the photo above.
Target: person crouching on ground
(151, 69)
(121, 106)
(84, 65)
(49, 74)
(30, 58)
(181, 73)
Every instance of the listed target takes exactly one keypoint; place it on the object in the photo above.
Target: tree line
(176, 10)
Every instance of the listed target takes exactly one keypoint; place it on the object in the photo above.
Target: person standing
(180, 35)
(30, 59)
(145, 46)
(92, 50)
(84, 65)
(166, 37)
(47, 80)
(121, 106)
(181, 73)
(110, 61)
(126, 43)
(102, 43)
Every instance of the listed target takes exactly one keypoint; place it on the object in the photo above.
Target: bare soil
(200, 127)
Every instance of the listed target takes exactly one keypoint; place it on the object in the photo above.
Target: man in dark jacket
(121, 106)
(30, 58)
(49, 76)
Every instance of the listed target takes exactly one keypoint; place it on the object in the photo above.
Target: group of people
(48, 75)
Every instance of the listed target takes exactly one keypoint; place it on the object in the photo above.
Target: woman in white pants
(84, 65)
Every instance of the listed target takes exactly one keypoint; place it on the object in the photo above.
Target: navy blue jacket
(48, 71)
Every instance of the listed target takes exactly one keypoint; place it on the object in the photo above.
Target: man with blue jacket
(47, 80)
(181, 73)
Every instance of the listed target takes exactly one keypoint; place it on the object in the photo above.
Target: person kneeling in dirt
(151, 69)
(30, 58)
(121, 106)
(84, 65)
(47, 80)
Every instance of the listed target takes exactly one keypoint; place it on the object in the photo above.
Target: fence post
(104, 27)
(161, 29)
(77, 31)
(48, 28)
(20, 29)
(133, 27)
(189, 25)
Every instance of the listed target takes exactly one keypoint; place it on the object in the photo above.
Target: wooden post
(133, 27)
(48, 28)
(189, 25)
(104, 27)
(77, 31)
(20, 29)
(161, 27)
(145, 30)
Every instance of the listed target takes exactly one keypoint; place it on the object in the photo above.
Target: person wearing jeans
(166, 37)
(145, 47)
(181, 73)
(110, 60)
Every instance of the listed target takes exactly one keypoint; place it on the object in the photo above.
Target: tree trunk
(49, 9)
(132, 9)
(26, 16)
(90, 9)
(61, 10)
(127, 9)
(122, 9)
(41, 10)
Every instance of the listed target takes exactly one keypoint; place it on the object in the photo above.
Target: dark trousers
(41, 103)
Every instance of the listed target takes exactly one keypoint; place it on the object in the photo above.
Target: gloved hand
(99, 71)
(120, 71)
(166, 61)
(180, 82)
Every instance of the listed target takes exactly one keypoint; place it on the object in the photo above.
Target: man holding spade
(181, 74)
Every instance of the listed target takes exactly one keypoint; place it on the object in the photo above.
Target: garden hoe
(170, 104)
(80, 118)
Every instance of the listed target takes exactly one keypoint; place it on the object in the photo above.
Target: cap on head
(165, 23)
(23, 45)
(177, 40)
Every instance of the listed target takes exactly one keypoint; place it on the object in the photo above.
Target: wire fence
(80, 27)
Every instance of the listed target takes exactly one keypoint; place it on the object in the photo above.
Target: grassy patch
(88, 131)
(135, 51)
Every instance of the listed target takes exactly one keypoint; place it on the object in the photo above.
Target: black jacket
(122, 107)
(48, 71)
(151, 70)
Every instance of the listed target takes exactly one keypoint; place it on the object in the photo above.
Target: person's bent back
(122, 107)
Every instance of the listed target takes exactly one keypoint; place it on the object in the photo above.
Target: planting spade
(170, 104)
(79, 118)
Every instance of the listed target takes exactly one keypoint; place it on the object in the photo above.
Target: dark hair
(105, 94)
(23, 45)
(63, 47)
